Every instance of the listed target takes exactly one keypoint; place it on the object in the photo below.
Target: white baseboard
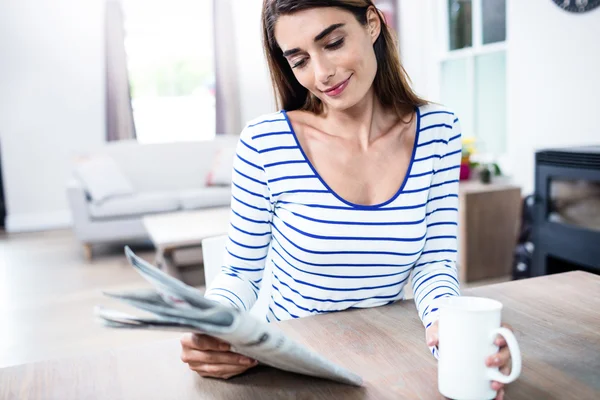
(38, 222)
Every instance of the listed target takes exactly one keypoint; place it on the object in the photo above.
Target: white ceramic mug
(468, 328)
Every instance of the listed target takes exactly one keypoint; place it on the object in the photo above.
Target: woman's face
(331, 53)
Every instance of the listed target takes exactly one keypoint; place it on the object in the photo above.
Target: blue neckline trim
(354, 205)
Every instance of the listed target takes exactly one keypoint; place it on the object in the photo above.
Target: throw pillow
(102, 178)
(222, 167)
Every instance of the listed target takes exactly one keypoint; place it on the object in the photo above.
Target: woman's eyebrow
(320, 36)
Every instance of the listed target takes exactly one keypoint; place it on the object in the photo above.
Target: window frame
(469, 54)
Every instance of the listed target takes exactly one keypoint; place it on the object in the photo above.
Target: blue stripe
(357, 252)
(249, 219)
(441, 237)
(340, 265)
(284, 163)
(431, 186)
(437, 126)
(248, 146)
(332, 300)
(250, 247)
(459, 151)
(271, 134)
(441, 209)
(250, 178)
(265, 121)
(437, 285)
(442, 223)
(284, 309)
(356, 222)
(235, 295)
(443, 197)
(455, 120)
(435, 288)
(337, 289)
(431, 142)
(434, 172)
(438, 156)
(250, 205)
(350, 208)
(250, 192)
(417, 285)
(249, 163)
(439, 251)
(314, 236)
(437, 112)
(453, 138)
(429, 262)
(283, 178)
(273, 312)
(300, 191)
(277, 148)
(250, 233)
(222, 295)
(245, 259)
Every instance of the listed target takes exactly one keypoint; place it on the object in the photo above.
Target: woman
(354, 184)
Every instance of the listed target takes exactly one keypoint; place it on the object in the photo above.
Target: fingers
(500, 395)
(223, 371)
(500, 386)
(214, 357)
(432, 335)
(203, 342)
(500, 341)
(500, 359)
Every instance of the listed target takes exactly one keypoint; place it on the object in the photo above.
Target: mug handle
(515, 354)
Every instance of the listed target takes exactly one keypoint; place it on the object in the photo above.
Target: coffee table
(184, 229)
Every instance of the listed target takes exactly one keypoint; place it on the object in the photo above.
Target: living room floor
(48, 293)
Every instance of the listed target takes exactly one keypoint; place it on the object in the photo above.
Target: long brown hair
(391, 80)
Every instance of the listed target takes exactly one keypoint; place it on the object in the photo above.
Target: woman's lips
(338, 89)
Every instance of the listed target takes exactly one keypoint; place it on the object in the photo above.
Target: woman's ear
(374, 19)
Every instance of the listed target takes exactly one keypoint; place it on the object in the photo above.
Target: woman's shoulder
(265, 123)
(440, 110)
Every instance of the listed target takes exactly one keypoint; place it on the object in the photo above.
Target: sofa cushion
(205, 197)
(102, 178)
(136, 205)
(222, 167)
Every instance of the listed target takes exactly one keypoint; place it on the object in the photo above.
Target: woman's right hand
(210, 357)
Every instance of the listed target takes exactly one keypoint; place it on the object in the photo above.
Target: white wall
(256, 94)
(553, 71)
(51, 102)
(553, 64)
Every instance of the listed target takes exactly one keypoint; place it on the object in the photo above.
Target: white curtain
(119, 112)
(228, 118)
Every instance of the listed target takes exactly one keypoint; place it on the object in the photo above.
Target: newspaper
(173, 305)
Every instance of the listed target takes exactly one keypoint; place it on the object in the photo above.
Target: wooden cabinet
(488, 222)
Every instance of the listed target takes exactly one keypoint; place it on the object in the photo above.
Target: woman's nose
(324, 70)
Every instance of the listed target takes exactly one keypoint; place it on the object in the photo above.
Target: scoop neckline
(333, 192)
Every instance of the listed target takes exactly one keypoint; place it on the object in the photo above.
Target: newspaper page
(173, 305)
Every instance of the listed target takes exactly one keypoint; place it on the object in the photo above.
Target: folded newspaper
(179, 307)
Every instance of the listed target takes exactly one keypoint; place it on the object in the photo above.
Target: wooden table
(184, 229)
(556, 320)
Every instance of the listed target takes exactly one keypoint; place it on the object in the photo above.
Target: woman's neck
(364, 122)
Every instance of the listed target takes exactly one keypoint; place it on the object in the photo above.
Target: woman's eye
(299, 64)
(335, 45)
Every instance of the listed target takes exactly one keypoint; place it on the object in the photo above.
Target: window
(170, 57)
(473, 69)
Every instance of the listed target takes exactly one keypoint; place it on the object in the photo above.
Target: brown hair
(391, 80)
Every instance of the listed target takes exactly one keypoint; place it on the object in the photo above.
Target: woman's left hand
(501, 359)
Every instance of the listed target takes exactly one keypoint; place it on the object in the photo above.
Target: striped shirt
(326, 253)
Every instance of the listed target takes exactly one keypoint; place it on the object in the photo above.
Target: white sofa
(166, 177)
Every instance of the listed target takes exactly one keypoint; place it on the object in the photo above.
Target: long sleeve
(249, 235)
(435, 273)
